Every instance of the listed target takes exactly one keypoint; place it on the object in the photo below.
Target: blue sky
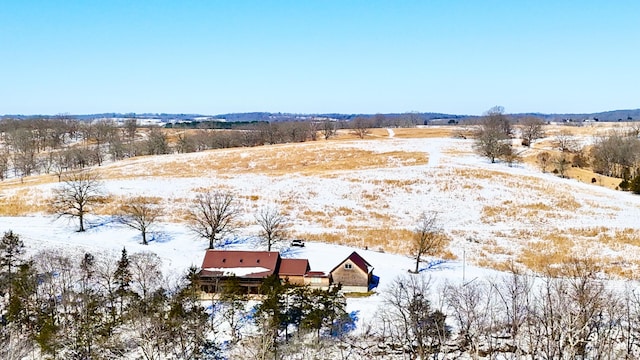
(307, 56)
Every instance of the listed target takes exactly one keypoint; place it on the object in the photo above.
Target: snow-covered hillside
(359, 193)
(359, 196)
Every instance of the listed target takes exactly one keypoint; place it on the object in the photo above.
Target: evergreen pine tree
(122, 277)
(186, 321)
(11, 250)
(270, 314)
(635, 185)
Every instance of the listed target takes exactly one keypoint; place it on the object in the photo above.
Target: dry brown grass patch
(546, 256)
(385, 239)
(621, 237)
(500, 265)
(587, 232)
(313, 159)
(23, 202)
(478, 174)
(567, 202)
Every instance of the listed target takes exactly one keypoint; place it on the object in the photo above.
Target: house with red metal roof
(250, 268)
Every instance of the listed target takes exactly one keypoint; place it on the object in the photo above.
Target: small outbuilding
(354, 273)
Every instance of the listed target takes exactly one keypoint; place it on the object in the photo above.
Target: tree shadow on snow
(158, 237)
(437, 264)
(99, 223)
(236, 241)
(290, 252)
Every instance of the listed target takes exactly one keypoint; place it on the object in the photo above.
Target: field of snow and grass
(350, 194)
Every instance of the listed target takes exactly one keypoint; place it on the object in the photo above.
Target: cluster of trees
(495, 131)
(60, 144)
(86, 306)
(290, 317)
(90, 306)
(571, 315)
(618, 155)
(214, 214)
(614, 155)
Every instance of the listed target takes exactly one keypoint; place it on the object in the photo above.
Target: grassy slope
(369, 192)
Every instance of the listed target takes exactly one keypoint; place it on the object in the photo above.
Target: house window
(347, 266)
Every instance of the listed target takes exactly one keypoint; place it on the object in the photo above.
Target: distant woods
(61, 144)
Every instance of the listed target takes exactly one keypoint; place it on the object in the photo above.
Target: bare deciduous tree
(428, 237)
(543, 159)
(130, 128)
(102, 132)
(532, 128)
(146, 274)
(494, 129)
(509, 155)
(23, 144)
(213, 215)
(360, 127)
(514, 297)
(471, 307)
(565, 141)
(313, 130)
(74, 199)
(140, 213)
(328, 129)
(562, 163)
(4, 164)
(157, 142)
(273, 225)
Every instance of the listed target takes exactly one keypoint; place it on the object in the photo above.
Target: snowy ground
(457, 184)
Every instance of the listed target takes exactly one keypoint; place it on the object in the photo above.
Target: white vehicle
(297, 242)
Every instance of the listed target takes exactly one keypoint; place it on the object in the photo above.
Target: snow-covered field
(492, 212)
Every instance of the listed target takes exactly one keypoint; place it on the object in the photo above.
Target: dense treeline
(87, 306)
(61, 144)
(572, 315)
(618, 155)
(60, 306)
(212, 124)
(93, 306)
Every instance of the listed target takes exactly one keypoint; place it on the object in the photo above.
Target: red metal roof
(230, 259)
(293, 267)
(358, 260)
